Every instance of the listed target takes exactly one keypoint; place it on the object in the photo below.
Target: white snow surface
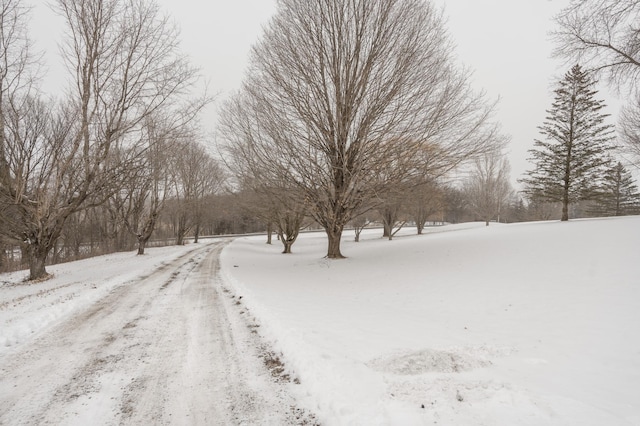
(137, 340)
(520, 324)
(28, 308)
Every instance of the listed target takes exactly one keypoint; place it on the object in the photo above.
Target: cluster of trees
(350, 107)
(351, 112)
(355, 112)
(115, 146)
(574, 161)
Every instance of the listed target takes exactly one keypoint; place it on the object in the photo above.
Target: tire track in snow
(167, 349)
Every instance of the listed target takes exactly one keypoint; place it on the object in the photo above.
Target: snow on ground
(524, 324)
(137, 340)
(27, 308)
(527, 324)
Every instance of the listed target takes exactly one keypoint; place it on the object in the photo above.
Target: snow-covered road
(172, 347)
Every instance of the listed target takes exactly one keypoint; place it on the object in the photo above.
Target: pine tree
(572, 159)
(619, 195)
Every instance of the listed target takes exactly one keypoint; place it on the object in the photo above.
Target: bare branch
(340, 98)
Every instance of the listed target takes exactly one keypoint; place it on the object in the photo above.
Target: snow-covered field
(522, 324)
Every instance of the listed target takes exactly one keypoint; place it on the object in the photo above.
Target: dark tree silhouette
(620, 194)
(573, 157)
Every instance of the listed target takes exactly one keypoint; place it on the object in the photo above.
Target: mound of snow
(428, 361)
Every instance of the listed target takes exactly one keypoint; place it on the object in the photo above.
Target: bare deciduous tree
(487, 189)
(140, 200)
(126, 65)
(210, 179)
(426, 200)
(392, 208)
(341, 92)
(359, 223)
(287, 211)
(197, 175)
(629, 128)
(17, 101)
(602, 35)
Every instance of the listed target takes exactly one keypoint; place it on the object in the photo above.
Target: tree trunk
(566, 179)
(24, 256)
(486, 222)
(287, 241)
(142, 243)
(334, 236)
(388, 220)
(565, 210)
(37, 261)
(269, 232)
(386, 231)
(197, 233)
(420, 226)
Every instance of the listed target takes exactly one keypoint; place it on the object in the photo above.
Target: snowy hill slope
(527, 324)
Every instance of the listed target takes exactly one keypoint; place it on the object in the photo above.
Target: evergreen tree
(572, 159)
(619, 196)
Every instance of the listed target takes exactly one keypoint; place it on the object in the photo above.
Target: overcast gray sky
(506, 42)
(508, 45)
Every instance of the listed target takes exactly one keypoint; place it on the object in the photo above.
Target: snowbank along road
(173, 347)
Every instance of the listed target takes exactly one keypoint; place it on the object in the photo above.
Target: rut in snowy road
(170, 348)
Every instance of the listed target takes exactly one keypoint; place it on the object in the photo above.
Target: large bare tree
(125, 64)
(23, 119)
(342, 92)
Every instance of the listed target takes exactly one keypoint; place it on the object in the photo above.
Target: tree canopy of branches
(488, 189)
(426, 201)
(604, 36)
(137, 204)
(197, 175)
(570, 162)
(57, 160)
(629, 128)
(345, 98)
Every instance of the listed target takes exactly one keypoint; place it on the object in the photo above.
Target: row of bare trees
(158, 208)
(108, 140)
